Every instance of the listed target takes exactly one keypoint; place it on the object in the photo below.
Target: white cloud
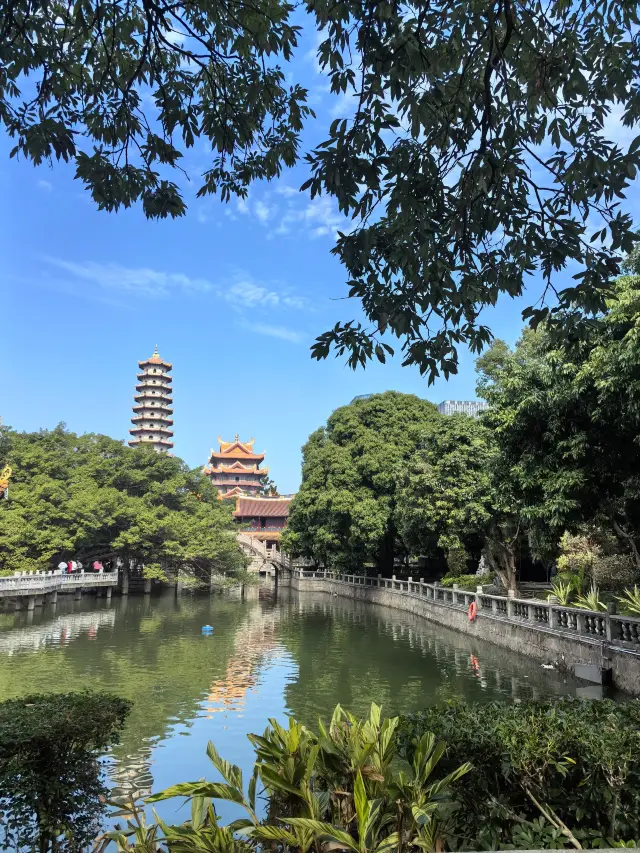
(287, 191)
(614, 130)
(45, 185)
(242, 205)
(241, 290)
(311, 55)
(246, 293)
(175, 37)
(344, 105)
(262, 211)
(281, 332)
(140, 281)
(319, 217)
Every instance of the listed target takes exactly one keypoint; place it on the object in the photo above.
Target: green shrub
(593, 557)
(466, 581)
(457, 561)
(51, 781)
(579, 761)
(337, 789)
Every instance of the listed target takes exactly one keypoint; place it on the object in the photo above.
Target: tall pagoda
(235, 469)
(152, 414)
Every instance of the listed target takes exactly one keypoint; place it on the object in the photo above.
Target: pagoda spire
(152, 413)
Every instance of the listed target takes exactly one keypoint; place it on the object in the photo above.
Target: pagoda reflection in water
(255, 639)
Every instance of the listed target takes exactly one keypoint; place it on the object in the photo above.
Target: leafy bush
(339, 789)
(51, 785)
(540, 770)
(468, 581)
(593, 556)
(457, 561)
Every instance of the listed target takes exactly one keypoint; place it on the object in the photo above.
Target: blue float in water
(207, 629)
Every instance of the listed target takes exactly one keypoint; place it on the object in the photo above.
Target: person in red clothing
(69, 567)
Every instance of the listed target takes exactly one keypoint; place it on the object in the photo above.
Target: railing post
(608, 627)
(511, 607)
(479, 592)
(378, 581)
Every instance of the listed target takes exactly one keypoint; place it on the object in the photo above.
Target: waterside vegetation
(544, 775)
(89, 497)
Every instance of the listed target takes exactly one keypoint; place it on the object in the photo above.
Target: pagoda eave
(159, 430)
(240, 457)
(155, 362)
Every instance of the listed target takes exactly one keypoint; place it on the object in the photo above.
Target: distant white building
(361, 397)
(464, 407)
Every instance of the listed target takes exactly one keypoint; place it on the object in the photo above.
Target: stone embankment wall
(562, 648)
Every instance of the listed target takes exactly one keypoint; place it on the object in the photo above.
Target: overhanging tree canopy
(478, 152)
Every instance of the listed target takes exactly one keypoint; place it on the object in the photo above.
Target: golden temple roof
(236, 449)
(238, 466)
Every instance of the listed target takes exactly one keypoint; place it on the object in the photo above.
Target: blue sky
(233, 294)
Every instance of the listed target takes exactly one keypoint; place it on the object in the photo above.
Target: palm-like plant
(563, 591)
(406, 815)
(333, 792)
(630, 601)
(590, 600)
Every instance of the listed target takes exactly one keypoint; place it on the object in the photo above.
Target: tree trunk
(386, 551)
(502, 558)
(622, 533)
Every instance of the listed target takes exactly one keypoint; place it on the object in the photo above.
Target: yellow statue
(5, 476)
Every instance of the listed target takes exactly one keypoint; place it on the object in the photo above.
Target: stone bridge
(263, 559)
(35, 587)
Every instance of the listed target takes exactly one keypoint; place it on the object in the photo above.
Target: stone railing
(36, 583)
(255, 546)
(616, 630)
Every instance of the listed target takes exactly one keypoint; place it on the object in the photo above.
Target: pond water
(269, 655)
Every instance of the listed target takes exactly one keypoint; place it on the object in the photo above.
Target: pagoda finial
(237, 438)
(155, 352)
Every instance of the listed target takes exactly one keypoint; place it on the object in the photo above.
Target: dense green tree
(90, 496)
(566, 421)
(477, 152)
(344, 514)
(456, 489)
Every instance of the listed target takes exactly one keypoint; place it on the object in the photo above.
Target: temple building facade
(263, 518)
(235, 469)
(153, 410)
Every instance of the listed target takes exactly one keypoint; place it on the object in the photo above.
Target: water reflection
(267, 657)
(59, 631)
(255, 640)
